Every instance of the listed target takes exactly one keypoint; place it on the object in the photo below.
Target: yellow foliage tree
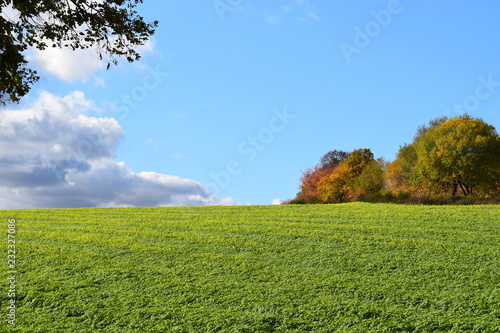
(461, 155)
(339, 186)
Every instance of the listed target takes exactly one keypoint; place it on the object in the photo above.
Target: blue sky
(239, 97)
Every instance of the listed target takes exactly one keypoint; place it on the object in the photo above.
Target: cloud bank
(52, 155)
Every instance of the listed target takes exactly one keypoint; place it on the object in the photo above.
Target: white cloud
(9, 13)
(53, 155)
(66, 64)
(276, 202)
(148, 47)
(77, 65)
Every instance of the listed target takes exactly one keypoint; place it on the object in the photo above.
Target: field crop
(314, 268)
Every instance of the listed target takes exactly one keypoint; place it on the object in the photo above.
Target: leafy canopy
(112, 27)
(340, 185)
(461, 153)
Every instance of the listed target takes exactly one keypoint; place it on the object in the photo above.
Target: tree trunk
(464, 190)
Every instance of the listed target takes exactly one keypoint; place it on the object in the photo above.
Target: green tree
(371, 180)
(112, 27)
(358, 160)
(462, 154)
(400, 175)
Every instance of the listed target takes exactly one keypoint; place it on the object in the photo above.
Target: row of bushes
(406, 198)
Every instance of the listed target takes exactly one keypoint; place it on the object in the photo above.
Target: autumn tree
(448, 156)
(112, 27)
(358, 160)
(333, 158)
(336, 187)
(400, 174)
(460, 155)
(311, 178)
(340, 185)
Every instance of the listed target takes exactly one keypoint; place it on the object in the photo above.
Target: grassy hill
(316, 268)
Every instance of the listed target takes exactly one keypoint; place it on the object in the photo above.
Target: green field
(313, 268)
